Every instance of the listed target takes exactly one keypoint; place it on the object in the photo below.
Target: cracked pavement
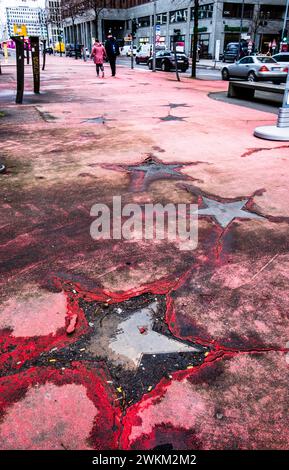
(134, 344)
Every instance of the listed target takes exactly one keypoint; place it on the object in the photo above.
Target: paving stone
(46, 409)
(225, 405)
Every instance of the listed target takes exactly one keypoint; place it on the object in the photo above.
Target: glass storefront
(203, 43)
(181, 41)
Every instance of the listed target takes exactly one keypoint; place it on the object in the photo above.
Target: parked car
(129, 51)
(142, 57)
(145, 51)
(233, 50)
(126, 50)
(59, 46)
(165, 60)
(71, 51)
(282, 58)
(254, 68)
(49, 50)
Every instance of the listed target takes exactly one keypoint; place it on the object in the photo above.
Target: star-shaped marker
(152, 170)
(98, 120)
(134, 341)
(126, 340)
(169, 117)
(177, 105)
(225, 213)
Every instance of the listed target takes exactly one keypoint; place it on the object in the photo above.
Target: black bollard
(34, 41)
(19, 41)
(44, 54)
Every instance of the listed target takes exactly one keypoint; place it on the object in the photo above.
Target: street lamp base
(272, 133)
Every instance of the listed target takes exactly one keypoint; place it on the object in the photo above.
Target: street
(202, 73)
(118, 333)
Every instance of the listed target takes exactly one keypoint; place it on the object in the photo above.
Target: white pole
(286, 94)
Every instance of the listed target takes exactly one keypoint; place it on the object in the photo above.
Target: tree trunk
(74, 38)
(195, 39)
(96, 26)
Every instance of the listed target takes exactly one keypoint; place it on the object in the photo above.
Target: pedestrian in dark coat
(112, 51)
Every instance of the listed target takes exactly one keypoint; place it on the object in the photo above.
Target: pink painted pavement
(79, 143)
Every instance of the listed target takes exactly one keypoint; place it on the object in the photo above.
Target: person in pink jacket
(98, 55)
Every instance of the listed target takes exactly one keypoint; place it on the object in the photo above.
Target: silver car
(282, 58)
(254, 68)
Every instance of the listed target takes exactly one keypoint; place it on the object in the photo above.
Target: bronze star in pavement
(169, 117)
(177, 105)
(152, 169)
(223, 212)
(98, 120)
(134, 341)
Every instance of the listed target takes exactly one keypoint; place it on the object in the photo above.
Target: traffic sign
(20, 30)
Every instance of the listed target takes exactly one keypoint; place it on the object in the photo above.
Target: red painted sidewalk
(149, 139)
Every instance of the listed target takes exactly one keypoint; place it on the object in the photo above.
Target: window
(144, 22)
(234, 10)
(246, 60)
(162, 18)
(266, 60)
(272, 12)
(232, 47)
(178, 16)
(281, 58)
(205, 11)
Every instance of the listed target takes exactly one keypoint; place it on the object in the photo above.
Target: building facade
(218, 21)
(54, 21)
(30, 13)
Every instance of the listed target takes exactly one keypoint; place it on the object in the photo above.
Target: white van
(126, 50)
(145, 51)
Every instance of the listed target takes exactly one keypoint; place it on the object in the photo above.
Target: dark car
(165, 60)
(49, 50)
(71, 50)
(235, 50)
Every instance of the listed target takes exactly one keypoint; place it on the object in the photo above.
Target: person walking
(98, 55)
(112, 51)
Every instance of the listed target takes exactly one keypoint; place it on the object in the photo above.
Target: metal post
(241, 27)
(195, 39)
(34, 41)
(131, 44)
(176, 60)
(280, 132)
(44, 54)
(131, 55)
(19, 41)
(154, 36)
(284, 24)
(286, 94)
